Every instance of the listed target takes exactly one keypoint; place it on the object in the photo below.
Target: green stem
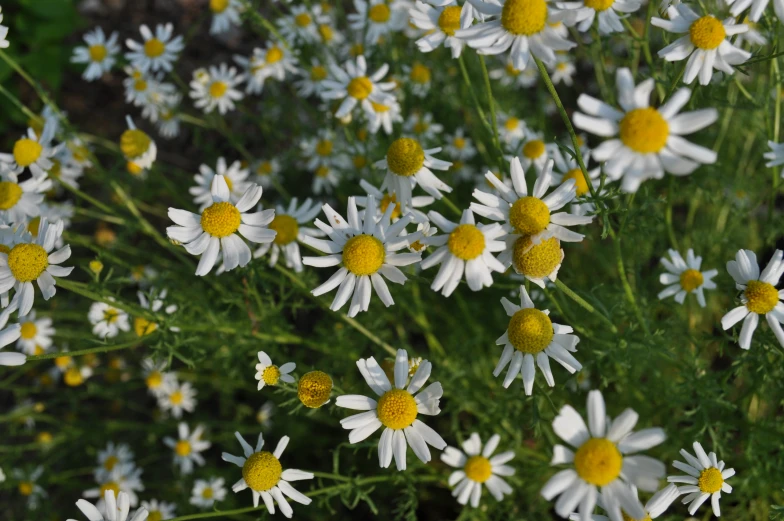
(584, 304)
(668, 215)
(491, 103)
(82, 352)
(627, 288)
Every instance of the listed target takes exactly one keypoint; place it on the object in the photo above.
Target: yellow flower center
(133, 168)
(44, 437)
(26, 151)
(271, 375)
(405, 156)
(62, 361)
(176, 398)
(710, 480)
(143, 327)
(314, 388)
(97, 52)
(25, 488)
(264, 168)
(420, 127)
(326, 32)
(449, 20)
(580, 186)
(111, 485)
(324, 147)
(691, 280)
(322, 171)
(154, 380)
(218, 89)
(302, 20)
(536, 261)
(459, 143)
(261, 471)
(378, 107)
(466, 242)
(599, 5)
(29, 330)
(530, 331)
(139, 85)
(529, 215)
(134, 143)
(27, 262)
(644, 130)
(153, 48)
(379, 13)
(274, 54)
(287, 228)
(511, 124)
(10, 193)
(318, 73)
(221, 219)
(534, 149)
(524, 17)
(419, 74)
(627, 517)
(478, 469)
(359, 161)
(38, 350)
(598, 461)
(761, 297)
(363, 255)
(111, 315)
(206, 493)
(386, 201)
(397, 409)
(360, 87)
(707, 32)
(183, 448)
(511, 71)
(218, 6)
(73, 377)
(155, 515)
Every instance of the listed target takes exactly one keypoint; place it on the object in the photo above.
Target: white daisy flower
(533, 151)
(478, 467)
(21, 201)
(523, 25)
(219, 91)
(159, 509)
(112, 456)
(152, 300)
(463, 247)
(396, 410)
(3, 33)
(776, 155)
(706, 479)
(107, 320)
(323, 150)
(236, 178)
(562, 71)
(288, 223)
(8, 335)
(383, 115)
(509, 76)
(36, 335)
(178, 397)
(116, 510)
(459, 146)
(28, 486)
(158, 51)
(137, 146)
(354, 86)
(32, 152)
(566, 167)
(215, 230)
(207, 491)
(421, 127)
(187, 447)
(385, 199)
(605, 457)
(705, 43)
(684, 277)
(757, 8)
(609, 13)
(366, 250)
(649, 141)
(100, 53)
(754, 36)
(759, 297)
(65, 169)
(532, 336)
(123, 479)
(511, 130)
(156, 376)
(325, 179)
(440, 20)
(312, 79)
(654, 508)
(375, 19)
(301, 25)
(274, 62)
(267, 172)
(408, 164)
(168, 123)
(263, 474)
(418, 78)
(268, 373)
(225, 15)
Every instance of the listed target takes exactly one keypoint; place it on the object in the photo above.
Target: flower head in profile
(268, 373)
(157, 51)
(116, 509)
(137, 146)
(477, 467)
(684, 277)
(654, 508)
(706, 479)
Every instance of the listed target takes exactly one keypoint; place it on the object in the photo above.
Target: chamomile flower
(225, 15)
(159, 509)
(407, 164)
(312, 79)
(153, 300)
(274, 61)
(323, 150)
(605, 457)
(649, 141)
(705, 43)
(374, 18)
(325, 179)
(566, 167)
(115, 509)
(207, 491)
(107, 320)
(562, 71)
(187, 447)
(759, 297)
(215, 230)
(21, 201)
(605, 11)
(354, 86)
(36, 335)
(463, 247)
(512, 130)
(684, 277)
(654, 508)
(385, 199)
(178, 397)
(267, 172)
(459, 146)
(776, 155)
(268, 373)
(418, 78)
(263, 474)
(288, 223)
(396, 410)
(8, 335)
(533, 337)
(3, 33)
(477, 466)
(156, 376)
(509, 76)
(366, 250)
(112, 456)
(706, 479)
(421, 127)
(28, 486)
(235, 176)
(100, 53)
(219, 91)
(534, 151)
(383, 115)
(32, 152)
(33, 260)
(523, 25)
(301, 25)
(168, 123)
(137, 146)
(158, 51)
(122, 479)
(440, 20)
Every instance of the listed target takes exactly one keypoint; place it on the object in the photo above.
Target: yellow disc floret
(27, 261)
(25, 488)
(261, 471)
(134, 143)
(154, 380)
(529, 215)
(379, 13)
(466, 242)
(536, 261)
(580, 186)
(221, 219)
(363, 255)
(287, 228)
(599, 5)
(73, 377)
(29, 330)
(143, 327)
(707, 32)
(449, 20)
(511, 123)
(405, 156)
(710, 480)
(534, 149)
(176, 398)
(761, 297)
(530, 331)
(111, 485)
(274, 54)
(182, 448)
(155, 515)
(598, 461)
(10, 193)
(318, 73)
(314, 388)
(420, 74)
(154, 48)
(302, 20)
(397, 409)
(271, 375)
(97, 52)
(218, 6)
(326, 32)
(524, 17)
(218, 89)
(478, 469)
(691, 280)
(360, 88)
(26, 151)
(324, 147)
(644, 130)
(386, 201)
